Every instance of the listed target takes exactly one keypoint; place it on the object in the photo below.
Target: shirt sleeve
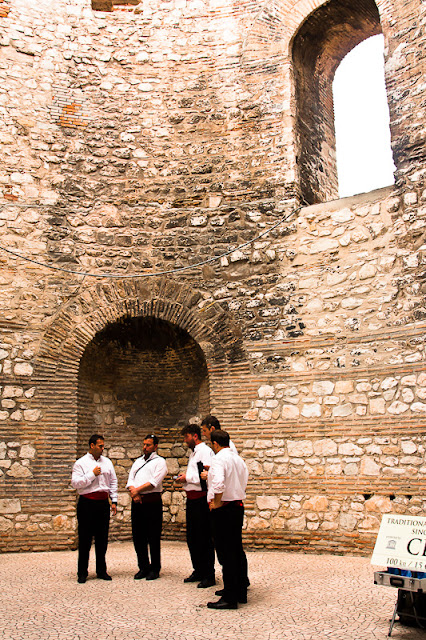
(205, 455)
(217, 484)
(113, 484)
(159, 473)
(80, 478)
(192, 475)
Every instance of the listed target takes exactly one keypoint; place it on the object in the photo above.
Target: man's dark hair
(193, 429)
(96, 436)
(211, 421)
(152, 437)
(221, 437)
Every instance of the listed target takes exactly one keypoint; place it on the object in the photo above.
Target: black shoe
(81, 579)
(206, 582)
(241, 599)
(142, 573)
(222, 604)
(192, 578)
(104, 576)
(153, 575)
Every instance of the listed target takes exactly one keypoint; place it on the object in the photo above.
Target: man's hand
(134, 493)
(114, 509)
(181, 477)
(97, 471)
(204, 474)
(216, 503)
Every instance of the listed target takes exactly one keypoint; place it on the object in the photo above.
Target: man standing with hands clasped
(94, 478)
(227, 482)
(145, 485)
(198, 534)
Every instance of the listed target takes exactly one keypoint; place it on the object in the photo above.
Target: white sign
(401, 543)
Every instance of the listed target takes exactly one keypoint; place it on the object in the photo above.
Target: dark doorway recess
(137, 376)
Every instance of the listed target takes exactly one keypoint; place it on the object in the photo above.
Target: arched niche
(92, 325)
(139, 376)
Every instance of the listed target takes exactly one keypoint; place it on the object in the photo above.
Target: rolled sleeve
(158, 473)
(217, 480)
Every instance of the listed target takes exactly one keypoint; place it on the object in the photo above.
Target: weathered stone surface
(267, 502)
(350, 449)
(300, 448)
(11, 505)
(316, 503)
(6, 525)
(19, 471)
(290, 411)
(27, 451)
(369, 467)
(323, 387)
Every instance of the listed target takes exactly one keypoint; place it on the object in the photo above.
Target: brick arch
(83, 317)
(276, 23)
(57, 364)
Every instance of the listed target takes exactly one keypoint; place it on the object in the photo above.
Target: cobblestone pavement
(292, 596)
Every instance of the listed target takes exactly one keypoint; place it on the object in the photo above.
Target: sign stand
(395, 611)
(401, 547)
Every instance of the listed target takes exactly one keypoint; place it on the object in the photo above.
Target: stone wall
(151, 138)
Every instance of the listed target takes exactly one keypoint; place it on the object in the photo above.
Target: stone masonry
(168, 191)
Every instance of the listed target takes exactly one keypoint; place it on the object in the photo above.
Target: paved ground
(293, 596)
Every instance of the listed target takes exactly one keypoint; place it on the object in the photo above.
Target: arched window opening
(318, 47)
(361, 116)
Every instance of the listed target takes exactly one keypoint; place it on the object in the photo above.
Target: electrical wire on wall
(149, 274)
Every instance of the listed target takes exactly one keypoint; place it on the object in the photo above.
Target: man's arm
(113, 489)
(136, 491)
(216, 503)
(80, 478)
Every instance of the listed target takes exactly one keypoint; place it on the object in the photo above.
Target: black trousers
(93, 522)
(227, 524)
(147, 524)
(199, 537)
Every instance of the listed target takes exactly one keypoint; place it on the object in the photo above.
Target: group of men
(215, 481)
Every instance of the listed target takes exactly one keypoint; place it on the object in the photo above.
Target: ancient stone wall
(155, 137)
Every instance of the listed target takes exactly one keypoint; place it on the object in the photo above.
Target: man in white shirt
(94, 478)
(227, 482)
(198, 534)
(145, 485)
(208, 425)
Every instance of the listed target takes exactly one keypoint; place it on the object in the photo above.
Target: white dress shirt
(233, 447)
(227, 475)
(202, 453)
(84, 480)
(153, 470)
